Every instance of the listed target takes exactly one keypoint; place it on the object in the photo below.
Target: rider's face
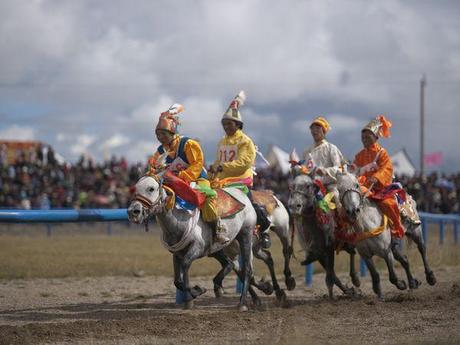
(164, 137)
(230, 126)
(317, 132)
(368, 138)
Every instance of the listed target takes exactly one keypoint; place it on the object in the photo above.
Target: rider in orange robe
(376, 169)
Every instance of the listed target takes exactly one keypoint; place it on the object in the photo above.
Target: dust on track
(130, 310)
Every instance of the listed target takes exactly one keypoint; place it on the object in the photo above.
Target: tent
(402, 164)
(278, 159)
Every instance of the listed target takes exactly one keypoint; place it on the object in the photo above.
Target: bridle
(152, 207)
(353, 190)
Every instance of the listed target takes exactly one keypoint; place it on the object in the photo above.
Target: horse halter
(152, 207)
(355, 190)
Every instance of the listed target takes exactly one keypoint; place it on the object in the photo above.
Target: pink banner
(433, 159)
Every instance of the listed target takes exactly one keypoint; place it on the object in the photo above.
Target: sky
(93, 76)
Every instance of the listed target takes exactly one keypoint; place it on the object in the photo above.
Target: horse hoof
(350, 292)
(281, 296)
(414, 284)
(355, 281)
(290, 283)
(219, 292)
(197, 291)
(242, 308)
(266, 287)
(189, 305)
(430, 278)
(401, 285)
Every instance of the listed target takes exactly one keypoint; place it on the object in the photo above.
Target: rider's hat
(379, 126)
(169, 120)
(321, 121)
(233, 112)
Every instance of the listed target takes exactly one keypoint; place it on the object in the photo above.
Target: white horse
(364, 215)
(279, 223)
(188, 238)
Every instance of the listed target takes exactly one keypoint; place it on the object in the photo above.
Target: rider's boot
(263, 224)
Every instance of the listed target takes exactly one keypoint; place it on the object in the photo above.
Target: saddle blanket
(227, 205)
(265, 199)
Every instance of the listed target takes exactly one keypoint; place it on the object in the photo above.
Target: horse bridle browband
(356, 190)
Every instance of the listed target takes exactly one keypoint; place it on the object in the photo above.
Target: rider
(185, 159)
(324, 156)
(375, 166)
(236, 154)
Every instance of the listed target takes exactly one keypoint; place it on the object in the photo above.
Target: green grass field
(86, 250)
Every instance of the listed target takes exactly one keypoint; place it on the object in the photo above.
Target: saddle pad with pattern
(266, 199)
(408, 210)
(227, 205)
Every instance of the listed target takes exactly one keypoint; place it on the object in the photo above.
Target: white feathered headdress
(233, 112)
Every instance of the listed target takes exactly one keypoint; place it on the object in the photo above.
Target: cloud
(82, 144)
(15, 132)
(103, 70)
(344, 123)
(116, 141)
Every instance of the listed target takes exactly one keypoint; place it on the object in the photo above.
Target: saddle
(265, 198)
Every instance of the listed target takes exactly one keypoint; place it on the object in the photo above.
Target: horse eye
(357, 185)
(151, 189)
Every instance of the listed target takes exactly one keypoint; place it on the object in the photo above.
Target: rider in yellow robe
(235, 158)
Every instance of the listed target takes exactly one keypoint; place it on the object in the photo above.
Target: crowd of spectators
(35, 181)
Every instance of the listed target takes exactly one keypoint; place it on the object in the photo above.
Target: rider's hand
(372, 181)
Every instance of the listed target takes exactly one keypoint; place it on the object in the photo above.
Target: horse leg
(227, 266)
(287, 253)
(413, 283)
(244, 238)
(266, 257)
(328, 265)
(374, 275)
(331, 278)
(178, 279)
(416, 236)
(353, 275)
(389, 260)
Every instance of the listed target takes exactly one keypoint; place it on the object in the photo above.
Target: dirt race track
(141, 310)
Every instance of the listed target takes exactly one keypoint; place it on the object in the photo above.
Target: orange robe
(384, 175)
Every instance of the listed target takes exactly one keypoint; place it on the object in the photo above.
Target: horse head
(148, 199)
(303, 195)
(350, 194)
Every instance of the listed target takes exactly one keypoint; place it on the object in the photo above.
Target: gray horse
(317, 238)
(365, 215)
(279, 223)
(188, 238)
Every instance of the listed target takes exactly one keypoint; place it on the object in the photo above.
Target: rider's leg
(210, 215)
(390, 208)
(263, 223)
